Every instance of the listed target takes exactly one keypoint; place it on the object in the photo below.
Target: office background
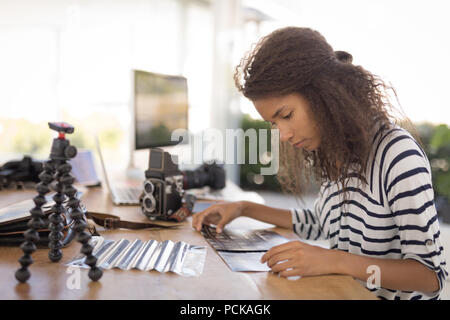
(70, 60)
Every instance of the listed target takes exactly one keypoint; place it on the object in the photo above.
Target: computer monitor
(160, 104)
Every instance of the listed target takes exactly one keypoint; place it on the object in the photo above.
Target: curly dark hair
(348, 103)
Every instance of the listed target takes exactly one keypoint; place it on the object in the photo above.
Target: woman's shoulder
(393, 140)
(398, 154)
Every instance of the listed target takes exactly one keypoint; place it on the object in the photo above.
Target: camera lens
(149, 204)
(148, 187)
(212, 175)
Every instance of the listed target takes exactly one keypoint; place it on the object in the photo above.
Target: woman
(336, 125)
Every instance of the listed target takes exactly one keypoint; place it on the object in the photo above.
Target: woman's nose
(285, 134)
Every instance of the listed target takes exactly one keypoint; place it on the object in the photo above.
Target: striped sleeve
(305, 223)
(406, 177)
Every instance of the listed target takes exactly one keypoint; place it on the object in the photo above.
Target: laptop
(119, 195)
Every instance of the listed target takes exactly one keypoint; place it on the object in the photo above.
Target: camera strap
(109, 221)
(180, 214)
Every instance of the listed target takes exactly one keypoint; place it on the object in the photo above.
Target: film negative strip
(166, 256)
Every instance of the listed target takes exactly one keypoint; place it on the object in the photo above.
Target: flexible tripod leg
(56, 220)
(77, 215)
(36, 223)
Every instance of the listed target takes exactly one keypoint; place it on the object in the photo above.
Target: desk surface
(49, 280)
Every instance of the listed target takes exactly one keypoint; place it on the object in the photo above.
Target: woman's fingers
(279, 257)
(220, 225)
(282, 266)
(279, 249)
(285, 259)
(219, 214)
(290, 273)
(209, 215)
(197, 219)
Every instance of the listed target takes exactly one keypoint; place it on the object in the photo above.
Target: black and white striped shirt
(392, 216)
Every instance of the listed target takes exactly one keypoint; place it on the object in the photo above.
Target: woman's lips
(300, 144)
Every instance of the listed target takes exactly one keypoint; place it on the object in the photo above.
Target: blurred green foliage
(436, 143)
(250, 177)
(26, 138)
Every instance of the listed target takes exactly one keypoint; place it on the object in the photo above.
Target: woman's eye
(288, 116)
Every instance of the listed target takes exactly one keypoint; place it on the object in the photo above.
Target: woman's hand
(219, 214)
(296, 258)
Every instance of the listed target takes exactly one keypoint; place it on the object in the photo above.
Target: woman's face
(291, 114)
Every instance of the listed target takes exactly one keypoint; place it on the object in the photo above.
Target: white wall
(405, 42)
(74, 57)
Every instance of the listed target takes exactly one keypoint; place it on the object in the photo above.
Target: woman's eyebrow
(277, 112)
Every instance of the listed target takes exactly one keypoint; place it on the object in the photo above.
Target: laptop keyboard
(127, 194)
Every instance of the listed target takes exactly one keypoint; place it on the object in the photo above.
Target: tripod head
(61, 148)
(62, 128)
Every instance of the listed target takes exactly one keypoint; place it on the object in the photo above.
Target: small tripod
(57, 168)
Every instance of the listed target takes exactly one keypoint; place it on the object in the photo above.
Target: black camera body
(19, 172)
(212, 175)
(165, 184)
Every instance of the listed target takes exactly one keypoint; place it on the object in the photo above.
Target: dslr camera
(165, 184)
(20, 172)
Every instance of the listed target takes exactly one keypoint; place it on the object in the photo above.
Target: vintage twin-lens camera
(165, 184)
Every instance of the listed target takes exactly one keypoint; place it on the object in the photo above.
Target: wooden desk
(49, 280)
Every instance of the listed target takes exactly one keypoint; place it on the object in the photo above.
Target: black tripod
(57, 168)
